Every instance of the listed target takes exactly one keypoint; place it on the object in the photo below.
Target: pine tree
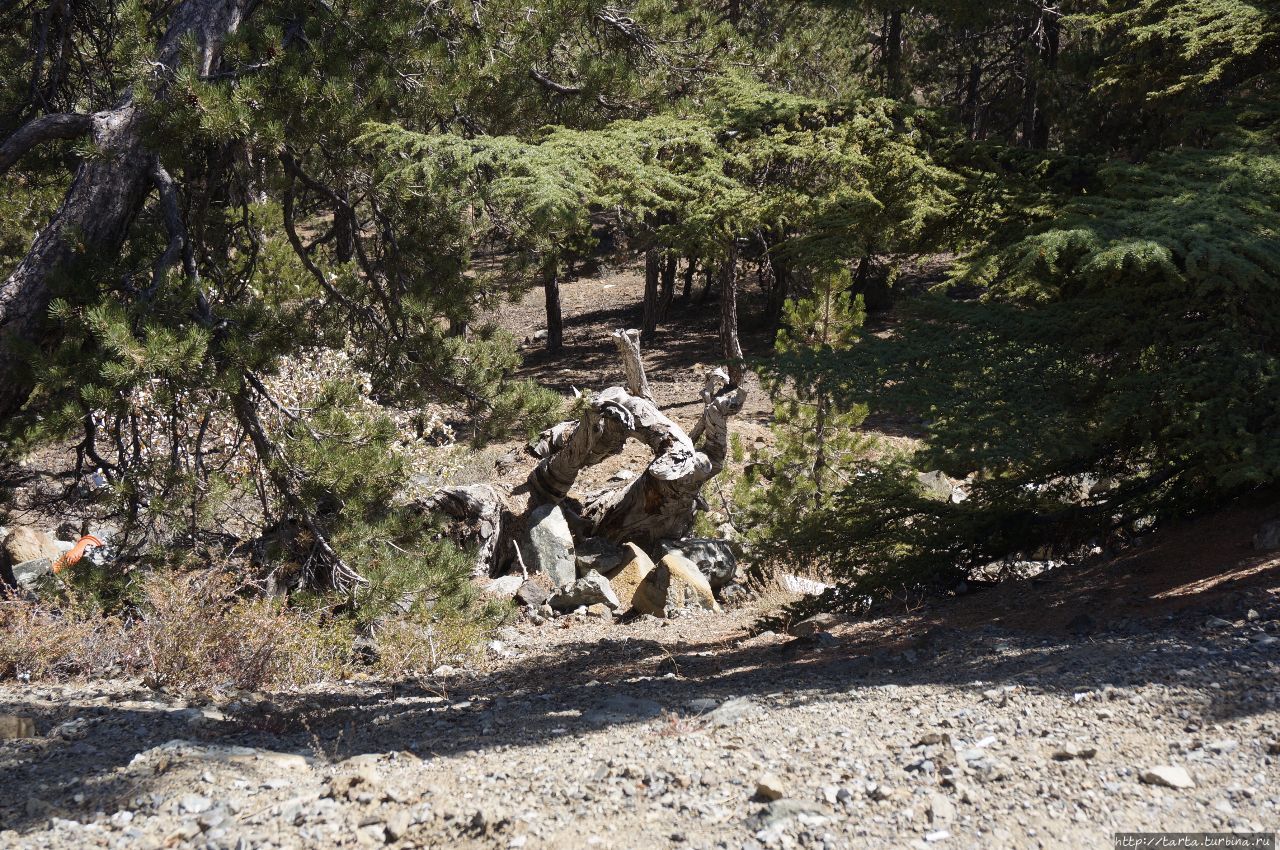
(816, 440)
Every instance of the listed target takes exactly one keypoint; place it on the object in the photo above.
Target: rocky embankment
(684, 734)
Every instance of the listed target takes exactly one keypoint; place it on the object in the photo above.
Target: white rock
(770, 787)
(1170, 776)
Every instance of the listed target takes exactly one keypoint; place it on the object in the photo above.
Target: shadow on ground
(583, 687)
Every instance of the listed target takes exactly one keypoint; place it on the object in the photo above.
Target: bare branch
(37, 131)
(560, 88)
(179, 244)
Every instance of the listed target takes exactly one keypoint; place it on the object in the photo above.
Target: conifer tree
(816, 439)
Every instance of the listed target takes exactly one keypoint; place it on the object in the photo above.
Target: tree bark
(661, 502)
(476, 512)
(628, 343)
(779, 287)
(1041, 59)
(104, 197)
(731, 347)
(893, 52)
(37, 131)
(691, 267)
(668, 287)
(652, 272)
(555, 320)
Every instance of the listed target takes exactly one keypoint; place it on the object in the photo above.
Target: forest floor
(1049, 712)
(1047, 725)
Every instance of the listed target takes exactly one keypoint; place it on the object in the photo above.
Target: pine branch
(38, 131)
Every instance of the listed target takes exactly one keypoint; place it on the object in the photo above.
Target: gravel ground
(580, 733)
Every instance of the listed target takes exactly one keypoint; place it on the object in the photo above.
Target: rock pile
(599, 577)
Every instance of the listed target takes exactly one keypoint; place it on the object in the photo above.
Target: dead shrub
(198, 633)
(73, 638)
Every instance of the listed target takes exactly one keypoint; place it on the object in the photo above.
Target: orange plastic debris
(76, 552)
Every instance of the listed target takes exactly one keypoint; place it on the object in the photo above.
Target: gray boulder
(597, 553)
(27, 575)
(1268, 536)
(935, 485)
(589, 590)
(549, 545)
(531, 594)
(714, 558)
(504, 587)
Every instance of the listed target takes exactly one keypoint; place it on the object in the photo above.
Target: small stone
(1224, 745)
(531, 594)
(930, 739)
(589, 590)
(628, 577)
(941, 810)
(27, 575)
(817, 623)
(1268, 536)
(671, 586)
(1217, 623)
(1169, 776)
(597, 553)
(194, 804)
(770, 787)
(730, 712)
(16, 726)
(1074, 751)
(29, 544)
(504, 587)
(1253, 616)
(714, 559)
(397, 825)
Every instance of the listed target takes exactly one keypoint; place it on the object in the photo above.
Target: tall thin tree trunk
(893, 52)
(709, 277)
(668, 286)
(730, 345)
(691, 266)
(1040, 60)
(555, 321)
(778, 290)
(970, 110)
(652, 273)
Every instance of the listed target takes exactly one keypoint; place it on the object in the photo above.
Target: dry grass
(46, 642)
(199, 632)
(196, 632)
(191, 632)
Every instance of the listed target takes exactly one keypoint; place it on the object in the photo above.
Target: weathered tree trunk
(652, 271)
(555, 321)
(476, 512)
(659, 503)
(730, 345)
(628, 343)
(104, 196)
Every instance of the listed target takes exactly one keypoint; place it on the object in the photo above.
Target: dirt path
(576, 734)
